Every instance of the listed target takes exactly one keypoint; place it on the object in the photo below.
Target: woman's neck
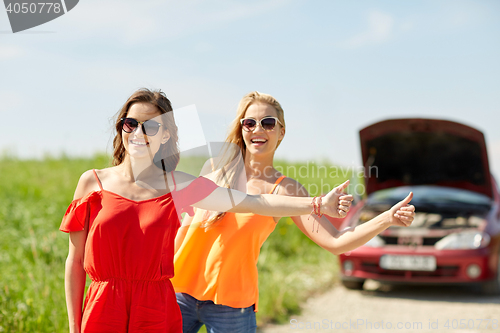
(259, 166)
(132, 168)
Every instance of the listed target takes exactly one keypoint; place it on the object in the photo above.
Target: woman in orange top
(215, 261)
(123, 221)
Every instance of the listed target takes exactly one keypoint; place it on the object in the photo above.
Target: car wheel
(492, 287)
(354, 285)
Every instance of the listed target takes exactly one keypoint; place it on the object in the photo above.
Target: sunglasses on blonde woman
(267, 123)
(149, 127)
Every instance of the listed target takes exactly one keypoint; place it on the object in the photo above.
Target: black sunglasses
(267, 123)
(149, 127)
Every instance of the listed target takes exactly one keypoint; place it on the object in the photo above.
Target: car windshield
(431, 196)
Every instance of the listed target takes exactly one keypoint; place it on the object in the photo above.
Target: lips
(139, 142)
(258, 140)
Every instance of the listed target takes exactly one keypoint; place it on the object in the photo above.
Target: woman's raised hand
(402, 214)
(337, 203)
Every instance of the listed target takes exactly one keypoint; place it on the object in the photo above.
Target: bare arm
(323, 233)
(75, 276)
(74, 279)
(338, 242)
(227, 200)
(299, 205)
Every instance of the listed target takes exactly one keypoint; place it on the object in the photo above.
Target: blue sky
(335, 66)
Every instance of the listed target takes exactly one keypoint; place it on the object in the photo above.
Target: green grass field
(33, 198)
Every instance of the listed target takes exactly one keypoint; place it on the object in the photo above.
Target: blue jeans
(217, 318)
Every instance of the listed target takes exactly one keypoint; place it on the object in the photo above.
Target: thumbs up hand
(337, 203)
(402, 214)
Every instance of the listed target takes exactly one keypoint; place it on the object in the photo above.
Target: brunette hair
(168, 154)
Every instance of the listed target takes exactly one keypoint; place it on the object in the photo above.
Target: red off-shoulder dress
(129, 257)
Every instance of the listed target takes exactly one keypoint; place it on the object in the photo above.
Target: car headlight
(375, 242)
(466, 240)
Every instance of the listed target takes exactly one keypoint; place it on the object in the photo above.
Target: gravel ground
(380, 308)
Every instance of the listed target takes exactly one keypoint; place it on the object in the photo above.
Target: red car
(455, 237)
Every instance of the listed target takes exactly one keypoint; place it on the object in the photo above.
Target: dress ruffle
(77, 212)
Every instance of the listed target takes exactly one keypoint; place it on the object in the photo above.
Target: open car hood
(399, 152)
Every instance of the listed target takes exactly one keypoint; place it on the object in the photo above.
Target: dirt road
(405, 309)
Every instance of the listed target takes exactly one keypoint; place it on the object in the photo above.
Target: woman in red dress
(123, 221)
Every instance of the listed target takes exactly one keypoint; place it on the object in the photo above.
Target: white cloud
(463, 13)
(10, 52)
(134, 22)
(11, 100)
(407, 26)
(380, 29)
(183, 18)
(204, 47)
(130, 22)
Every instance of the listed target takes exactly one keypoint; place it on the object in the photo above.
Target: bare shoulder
(103, 174)
(86, 184)
(293, 188)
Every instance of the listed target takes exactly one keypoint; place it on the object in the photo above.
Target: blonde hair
(234, 135)
(230, 170)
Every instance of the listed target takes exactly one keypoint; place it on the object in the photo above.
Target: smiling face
(259, 141)
(137, 144)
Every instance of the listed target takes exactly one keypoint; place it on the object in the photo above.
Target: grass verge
(34, 195)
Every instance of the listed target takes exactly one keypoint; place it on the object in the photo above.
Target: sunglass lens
(151, 127)
(129, 125)
(249, 124)
(268, 123)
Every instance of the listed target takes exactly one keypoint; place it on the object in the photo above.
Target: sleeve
(198, 190)
(76, 214)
